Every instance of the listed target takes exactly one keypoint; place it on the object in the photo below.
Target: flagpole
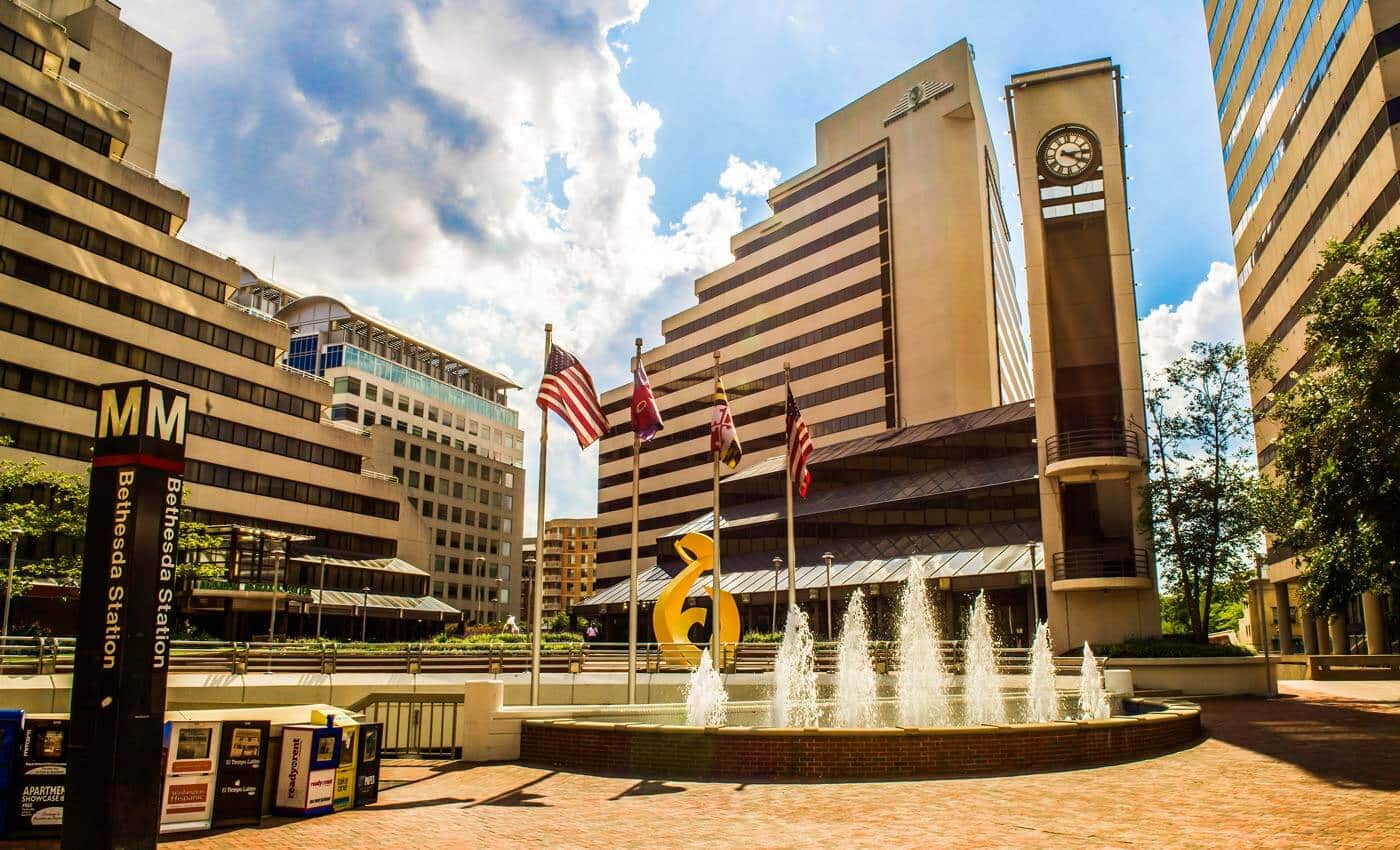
(791, 539)
(537, 604)
(632, 573)
(716, 644)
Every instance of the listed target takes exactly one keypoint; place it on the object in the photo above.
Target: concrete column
(1338, 627)
(1285, 621)
(1324, 637)
(1309, 630)
(1375, 623)
(1258, 622)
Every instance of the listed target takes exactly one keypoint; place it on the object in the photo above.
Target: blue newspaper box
(11, 742)
(306, 770)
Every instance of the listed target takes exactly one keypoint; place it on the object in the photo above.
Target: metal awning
(888, 491)
(984, 561)
(384, 605)
(383, 565)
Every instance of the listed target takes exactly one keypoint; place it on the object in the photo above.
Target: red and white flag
(646, 417)
(567, 389)
(799, 446)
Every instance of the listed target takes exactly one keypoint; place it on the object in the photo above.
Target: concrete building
(1305, 99)
(570, 565)
(883, 277)
(438, 428)
(916, 385)
(1067, 137)
(96, 287)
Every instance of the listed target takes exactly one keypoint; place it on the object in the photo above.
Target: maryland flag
(724, 442)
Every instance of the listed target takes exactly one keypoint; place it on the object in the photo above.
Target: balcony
(1102, 568)
(1093, 454)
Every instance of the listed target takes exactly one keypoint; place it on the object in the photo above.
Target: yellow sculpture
(672, 620)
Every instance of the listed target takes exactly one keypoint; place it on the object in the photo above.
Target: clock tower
(1068, 139)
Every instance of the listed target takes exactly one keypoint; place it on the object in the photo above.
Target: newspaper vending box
(367, 765)
(306, 770)
(38, 796)
(11, 743)
(349, 728)
(191, 758)
(242, 763)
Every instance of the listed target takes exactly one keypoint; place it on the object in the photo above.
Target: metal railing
(370, 473)
(257, 314)
(301, 373)
(415, 725)
(1092, 442)
(1122, 561)
(44, 656)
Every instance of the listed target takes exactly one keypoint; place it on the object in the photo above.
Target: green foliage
(43, 502)
(1165, 648)
(1203, 504)
(1338, 452)
(762, 637)
(559, 623)
(1224, 616)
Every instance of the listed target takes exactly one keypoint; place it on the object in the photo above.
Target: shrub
(762, 637)
(1165, 647)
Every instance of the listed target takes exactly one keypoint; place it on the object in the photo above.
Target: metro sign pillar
(126, 617)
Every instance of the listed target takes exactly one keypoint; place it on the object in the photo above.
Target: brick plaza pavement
(1317, 768)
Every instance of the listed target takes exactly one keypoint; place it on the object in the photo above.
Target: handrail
(370, 473)
(258, 314)
(1092, 442)
(1120, 561)
(287, 367)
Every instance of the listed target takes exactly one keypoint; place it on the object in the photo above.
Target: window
(368, 418)
(442, 512)
(440, 538)
(452, 591)
(371, 392)
(417, 408)
(388, 398)
(427, 508)
(430, 457)
(432, 414)
(415, 453)
(385, 421)
(444, 460)
(417, 431)
(437, 589)
(457, 490)
(346, 385)
(400, 446)
(439, 562)
(75, 64)
(455, 539)
(505, 546)
(344, 412)
(508, 480)
(430, 484)
(413, 480)
(403, 403)
(398, 473)
(456, 516)
(457, 468)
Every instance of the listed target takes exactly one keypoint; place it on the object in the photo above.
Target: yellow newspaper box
(349, 756)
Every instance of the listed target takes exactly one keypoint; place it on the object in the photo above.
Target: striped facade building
(882, 276)
(1308, 98)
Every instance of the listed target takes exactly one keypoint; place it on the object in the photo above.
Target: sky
(471, 169)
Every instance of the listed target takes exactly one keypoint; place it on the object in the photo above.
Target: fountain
(705, 696)
(1042, 699)
(855, 677)
(1093, 701)
(795, 675)
(982, 700)
(922, 683)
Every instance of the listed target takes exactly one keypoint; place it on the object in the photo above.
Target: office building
(1305, 99)
(883, 278)
(570, 567)
(1029, 498)
(96, 287)
(437, 427)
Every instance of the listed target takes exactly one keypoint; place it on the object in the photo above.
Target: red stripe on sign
(174, 467)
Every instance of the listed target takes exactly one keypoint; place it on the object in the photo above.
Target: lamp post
(499, 582)
(1035, 595)
(15, 534)
(321, 598)
(777, 565)
(364, 615)
(478, 572)
(531, 570)
(828, 557)
(272, 617)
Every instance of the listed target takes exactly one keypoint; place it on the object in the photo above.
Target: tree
(1203, 502)
(49, 505)
(1338, 450)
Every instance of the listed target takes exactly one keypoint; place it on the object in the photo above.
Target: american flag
(567, 389)
(799, 446)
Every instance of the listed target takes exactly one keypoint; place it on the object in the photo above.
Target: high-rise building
(438, 427)
(883, 278)
(1306, 99)
(570, 567)
(95, 287)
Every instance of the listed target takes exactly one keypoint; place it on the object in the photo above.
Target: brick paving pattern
(1311, 770)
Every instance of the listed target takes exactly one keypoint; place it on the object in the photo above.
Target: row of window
(794, 314)
(124, 303)
(806, 401)
(40, 111)
(350, 385)
(272, 487)
(482, 593)
(80, 235)
(1378, 130)
(758, 444)
(466, 517)
(445, 461)
(869, 190)
(464, 566)
(355, 545)
(480, 543)
(80, 183)
(767, 382)
(46, 441)
(70, 338)
(1260, 62)
(816, 246)
(821, 184)
(21, 48)
(34, 382)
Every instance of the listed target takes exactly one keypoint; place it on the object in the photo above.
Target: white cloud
(1211, 314)
(748, 178)
(466, 169)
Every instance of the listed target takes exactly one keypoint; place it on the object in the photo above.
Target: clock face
(1068, 153)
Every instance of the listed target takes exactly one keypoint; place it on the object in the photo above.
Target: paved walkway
(1307, 770)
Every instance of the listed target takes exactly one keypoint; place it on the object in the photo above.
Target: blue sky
(469, 169)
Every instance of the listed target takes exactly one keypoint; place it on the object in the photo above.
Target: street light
(828, 557)
(321, 598)
(777, 565)
(272, 618)
(364, 615)
(15, 534)
(478, 572)
(533, 573)
(499, 581)
(1035, 595)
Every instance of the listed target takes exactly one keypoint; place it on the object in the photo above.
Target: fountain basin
(657, 750)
